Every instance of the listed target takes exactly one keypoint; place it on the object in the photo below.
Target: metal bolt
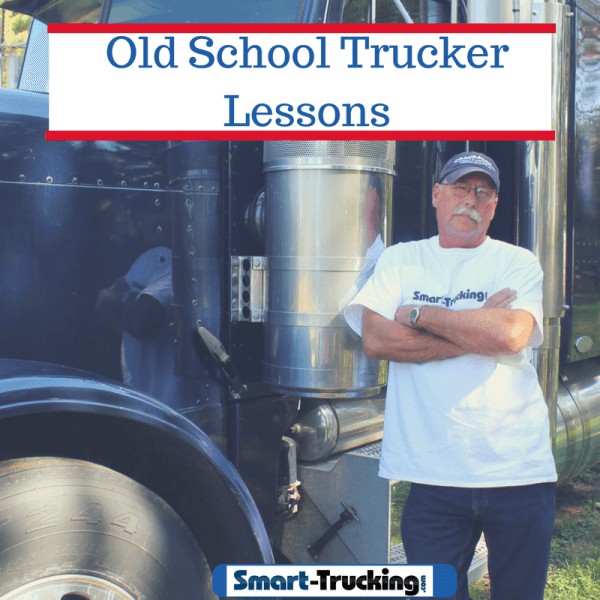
(123, 183)
(156, 186)
(75, 180)
(256, 262)
(100, 182)
(49, 179)
(21, 177)
(157, 202)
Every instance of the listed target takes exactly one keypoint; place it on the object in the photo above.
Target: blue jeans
(442, 525)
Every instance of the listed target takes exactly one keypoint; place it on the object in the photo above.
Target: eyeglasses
(460, 191)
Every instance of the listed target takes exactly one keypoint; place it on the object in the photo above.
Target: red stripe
(450, 135)
(301, 28)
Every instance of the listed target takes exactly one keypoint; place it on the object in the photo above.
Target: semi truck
(143, 442)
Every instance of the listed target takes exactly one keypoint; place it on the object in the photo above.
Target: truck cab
(220, 270)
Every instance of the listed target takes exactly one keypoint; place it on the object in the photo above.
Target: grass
(574, 572)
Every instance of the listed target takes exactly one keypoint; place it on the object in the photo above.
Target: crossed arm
(491, 330)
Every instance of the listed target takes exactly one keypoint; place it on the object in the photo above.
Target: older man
(466, 422)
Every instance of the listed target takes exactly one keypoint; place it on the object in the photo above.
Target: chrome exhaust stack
(543, 212)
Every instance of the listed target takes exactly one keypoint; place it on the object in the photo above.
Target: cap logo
(474, 159)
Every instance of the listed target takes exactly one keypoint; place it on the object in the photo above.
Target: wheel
(73, 530)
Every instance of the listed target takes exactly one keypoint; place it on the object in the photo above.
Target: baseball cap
(470, 162)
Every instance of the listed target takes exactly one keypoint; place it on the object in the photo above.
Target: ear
(435, 193)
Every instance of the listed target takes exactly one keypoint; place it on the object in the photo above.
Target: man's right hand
(502, 299)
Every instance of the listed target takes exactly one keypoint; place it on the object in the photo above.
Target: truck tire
(73, 530)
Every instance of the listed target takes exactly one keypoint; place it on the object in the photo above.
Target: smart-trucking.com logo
(334, 581)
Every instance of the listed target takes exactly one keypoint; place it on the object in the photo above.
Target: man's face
(464, 218)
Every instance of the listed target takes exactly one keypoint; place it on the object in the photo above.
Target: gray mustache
(470, 212)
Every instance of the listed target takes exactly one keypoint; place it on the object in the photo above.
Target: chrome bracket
(248, 288)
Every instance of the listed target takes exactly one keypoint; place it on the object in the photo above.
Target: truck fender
(49, 410)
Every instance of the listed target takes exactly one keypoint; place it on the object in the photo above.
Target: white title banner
(286, 82)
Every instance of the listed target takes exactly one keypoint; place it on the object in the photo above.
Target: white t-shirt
(469, 421)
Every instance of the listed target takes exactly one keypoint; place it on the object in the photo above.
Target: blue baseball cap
(470, 162)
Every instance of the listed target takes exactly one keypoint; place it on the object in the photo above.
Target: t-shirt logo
(448, 301)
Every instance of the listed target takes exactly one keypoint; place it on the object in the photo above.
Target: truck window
(357, 11)
(34, 76)
(378, 11)
(218, 11)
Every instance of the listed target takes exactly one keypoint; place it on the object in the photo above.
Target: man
(457, 315)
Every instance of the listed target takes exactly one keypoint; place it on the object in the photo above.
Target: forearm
(485, 331)
(385, 339)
